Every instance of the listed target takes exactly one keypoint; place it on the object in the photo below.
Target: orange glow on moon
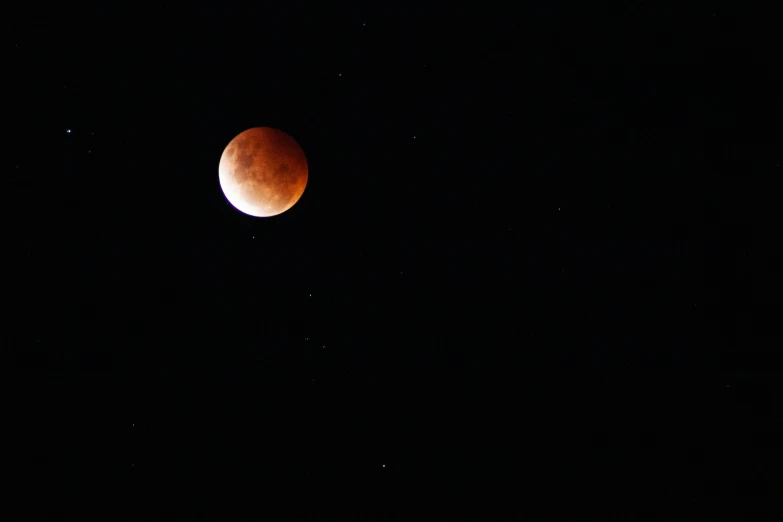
(263, 172)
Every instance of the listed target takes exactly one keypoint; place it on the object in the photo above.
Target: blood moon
(263, 172)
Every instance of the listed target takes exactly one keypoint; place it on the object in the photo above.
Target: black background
(558, 299)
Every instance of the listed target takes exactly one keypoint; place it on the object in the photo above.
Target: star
(68, 131)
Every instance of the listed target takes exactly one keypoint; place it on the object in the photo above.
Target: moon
(263, 172)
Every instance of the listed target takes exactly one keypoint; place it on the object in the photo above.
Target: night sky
(535, 272)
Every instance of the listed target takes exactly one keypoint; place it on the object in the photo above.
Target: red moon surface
(263, 172)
